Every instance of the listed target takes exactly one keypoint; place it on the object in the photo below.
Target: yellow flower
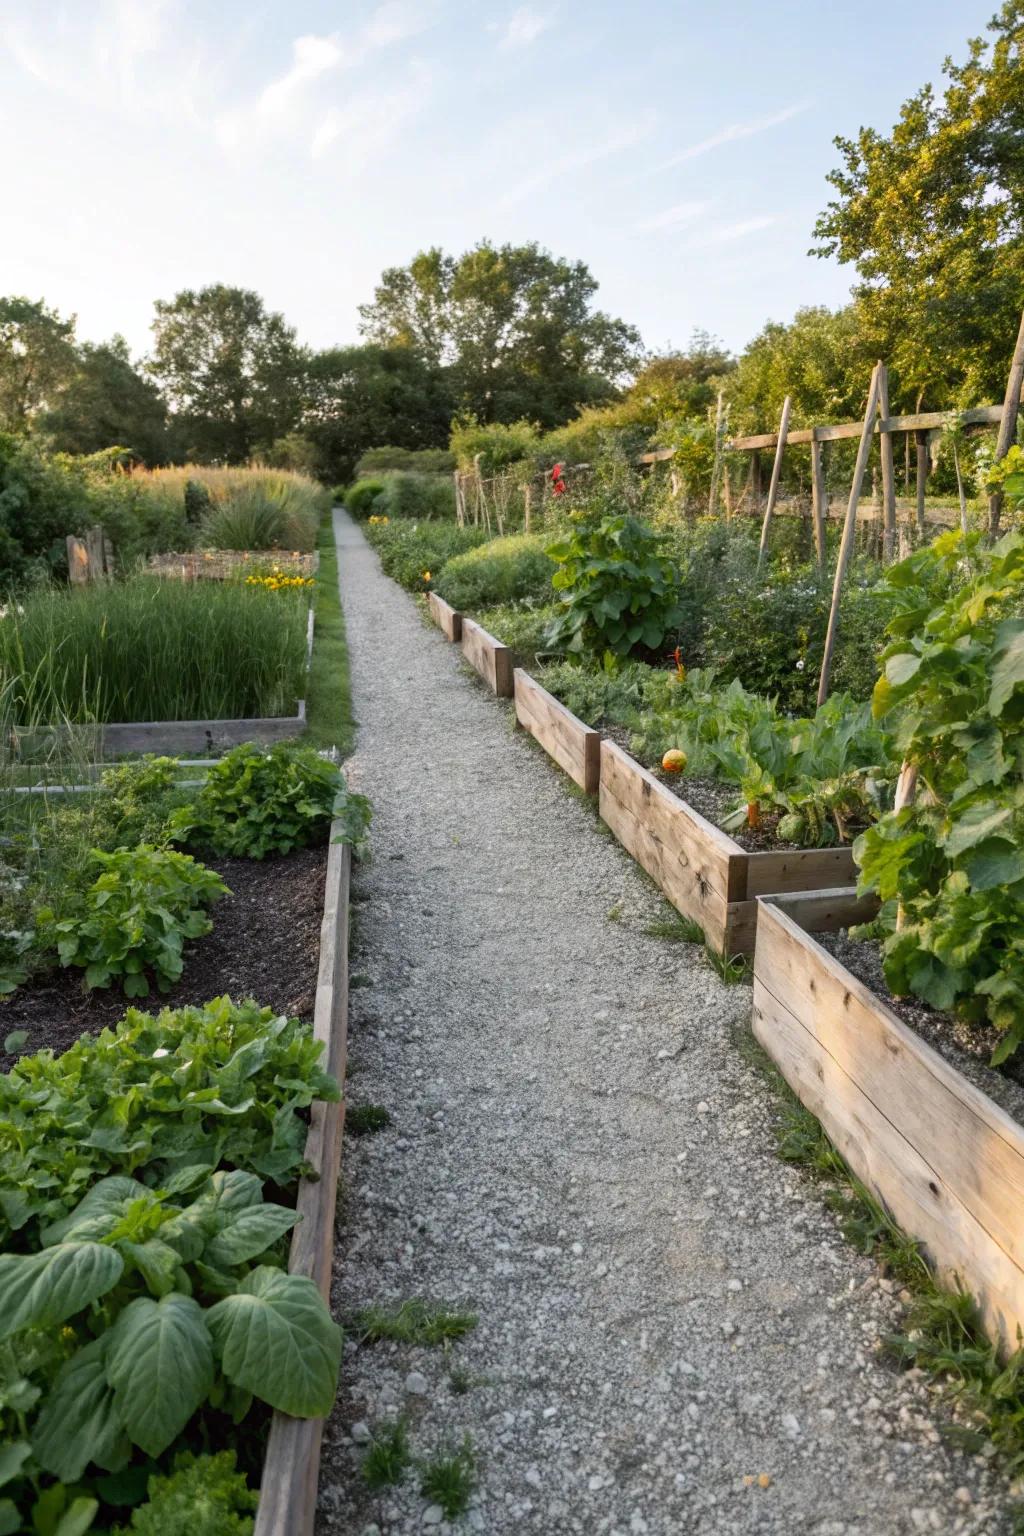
(426, 575)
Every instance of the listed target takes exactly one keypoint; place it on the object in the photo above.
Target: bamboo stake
(888, 471)
(713, 494)
(818, 502)
(960, 491)
(849, 533)
(922, 476)
(1008, 424)
(773, 488)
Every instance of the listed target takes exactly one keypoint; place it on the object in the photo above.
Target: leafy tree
(37, 356)
(670, 385)
(363, 397)
(104, 401)
(931, 215)
(230, 368)
(513, 327)
(819, 359)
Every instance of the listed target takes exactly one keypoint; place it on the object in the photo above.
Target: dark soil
(265, 944)
(965, 1046)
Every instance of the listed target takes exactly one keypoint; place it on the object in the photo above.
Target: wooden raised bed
(575, 747)
(447, 618)
(705, 874)
(488, 656)
(288, 1487)
(945, 1160)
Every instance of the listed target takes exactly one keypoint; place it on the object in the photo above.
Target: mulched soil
(965, 1046)
(265, 944)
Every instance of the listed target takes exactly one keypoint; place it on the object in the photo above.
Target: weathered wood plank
(575, 747)
(447, 618)
(979, 416)
(941, 1156)
(288, 1487)
(489, 657)
(799, 869)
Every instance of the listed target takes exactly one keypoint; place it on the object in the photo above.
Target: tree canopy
(364, 397)
(104, 401)
(932, 216)
(37, 357)
(512, 327)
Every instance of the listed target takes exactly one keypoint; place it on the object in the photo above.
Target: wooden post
(849, 533)
(888, 469)
(922, 477)
(713, 494)
(755, 481)
(78, 561)
(527, 494)
(726, 492)
(460, 514)
(818, 502)
(773, 488)
(961, 496)
(1007, 424)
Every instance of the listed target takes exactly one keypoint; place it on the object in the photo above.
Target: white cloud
(524, 27)
(626, 137)
(726, 233)
(311, 56)
(735, 131)
(370, 122)
(682, 213)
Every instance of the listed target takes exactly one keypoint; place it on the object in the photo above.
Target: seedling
(450, 1480)
(413, 1322)
(733, 969)
(683, 930)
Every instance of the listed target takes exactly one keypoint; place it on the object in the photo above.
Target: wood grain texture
(489, 657)
(288, 1487)
(575, 747)
(799, 869)
(944, 1159)
(978, 416)
(447, 618)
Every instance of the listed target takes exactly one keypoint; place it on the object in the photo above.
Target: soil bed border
(942, 1157)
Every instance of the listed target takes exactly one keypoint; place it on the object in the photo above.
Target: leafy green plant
(262, 800)
(202, 1496)
(513, 569)
(426, 497)
(949, 868)
(360, 498)
(187, 1087)
(134, 918)
(408, 550)
(388, 1457)
(619, 589)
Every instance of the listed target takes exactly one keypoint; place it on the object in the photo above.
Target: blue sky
(680, 149)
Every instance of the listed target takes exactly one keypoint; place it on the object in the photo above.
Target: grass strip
(329, 721)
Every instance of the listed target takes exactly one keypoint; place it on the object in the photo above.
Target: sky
(679, 149)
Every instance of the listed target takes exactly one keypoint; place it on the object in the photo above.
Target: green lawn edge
(329, 721)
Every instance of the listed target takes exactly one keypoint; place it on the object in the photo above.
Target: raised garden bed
(938, 1152)
(575, 747)
(706, 874)
(489, 657)
(447, 618)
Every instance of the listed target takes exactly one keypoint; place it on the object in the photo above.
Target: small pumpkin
(674, 761)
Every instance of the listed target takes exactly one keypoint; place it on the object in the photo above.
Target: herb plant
(259, 800)
(136, 916)
(949, 868)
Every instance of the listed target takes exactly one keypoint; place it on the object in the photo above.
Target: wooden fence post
(888, 469)
(716, 470)
(773, 488)
(460, 513)
(849, 534)
(922, 476)
(1007, 424)
(818, 501)
(527, 495)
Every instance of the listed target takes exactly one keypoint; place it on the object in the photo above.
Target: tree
(819, 359)
(106, 401)
(679, 384)
(512, 327)
(230, 368)
(932, 216)
(37, 356)
(368, 397)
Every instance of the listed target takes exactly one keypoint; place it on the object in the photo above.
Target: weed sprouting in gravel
(682, 930)
(388, 1457)
(365, 1119)
(359, 979)
(459, 1380)
(450, 1480)
(614, 914)
(733, 969)
(413, 1322)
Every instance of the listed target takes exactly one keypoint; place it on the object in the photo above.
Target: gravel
(672, 1335)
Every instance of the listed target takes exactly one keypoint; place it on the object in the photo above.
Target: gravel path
(672, 1336)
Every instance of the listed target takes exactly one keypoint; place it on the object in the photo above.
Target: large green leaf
(78, 1423)
(248, 1233)
(98, 1212)
(40, 1289)
(994, 863)
(1008, 670)
(276, 1338)
(13, 1456)
(78, 1517)
(160, 1365)
(984, 819)
(10, 1520)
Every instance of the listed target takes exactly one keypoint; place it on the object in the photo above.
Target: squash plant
(950, 867)
(619, 589)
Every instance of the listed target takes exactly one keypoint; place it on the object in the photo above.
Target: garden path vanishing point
(673, 1336)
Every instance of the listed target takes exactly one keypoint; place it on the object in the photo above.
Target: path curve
(582, 1154)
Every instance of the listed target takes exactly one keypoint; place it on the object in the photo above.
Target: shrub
(149, 649)
(424, 461)
(508, 570)
(523, 627)
(414, 554)
(424, 497)
(257, 801)
(359, 498)
(619, 589)
(255, 508)
(136, 916)
(497, 444)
